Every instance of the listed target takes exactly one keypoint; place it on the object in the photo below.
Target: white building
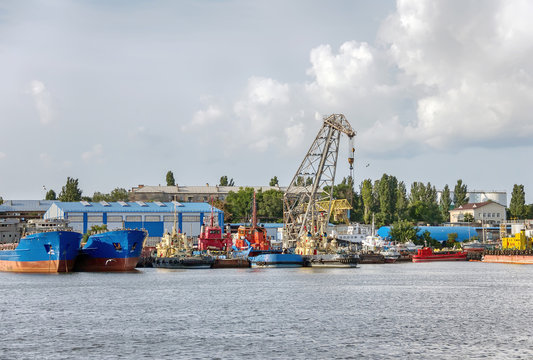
(488, 212)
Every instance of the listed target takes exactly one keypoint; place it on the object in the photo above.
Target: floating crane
(313, 183)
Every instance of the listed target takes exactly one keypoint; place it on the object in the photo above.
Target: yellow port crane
(339, 209)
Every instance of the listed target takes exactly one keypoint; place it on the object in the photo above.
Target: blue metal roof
(135, 207)
(439, 233)
(28, 205)
(265, 225)
(4, 208)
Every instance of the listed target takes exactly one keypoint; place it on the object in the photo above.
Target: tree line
(71, 192)
(386, 200)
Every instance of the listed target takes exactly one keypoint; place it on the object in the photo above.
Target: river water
(427, 310)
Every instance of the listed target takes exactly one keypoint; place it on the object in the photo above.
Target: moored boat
(175, 251)
(117, 250)
(426, 254)
(221, 263)
(278, 260)
(390, 255)
(332, 260)
(371, 258)
(253, 236)
(184, 262)
(516, 249)
(211, 235)
(44, 252)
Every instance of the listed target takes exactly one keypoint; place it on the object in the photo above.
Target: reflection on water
(445, 310)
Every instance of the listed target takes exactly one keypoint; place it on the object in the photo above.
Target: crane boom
(315, 175)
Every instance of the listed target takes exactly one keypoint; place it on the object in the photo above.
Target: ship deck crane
(315, 174)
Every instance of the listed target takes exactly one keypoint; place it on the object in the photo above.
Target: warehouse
(156, 217)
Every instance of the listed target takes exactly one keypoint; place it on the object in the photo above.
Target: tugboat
(38, 251)
(319, 251)
(175, 251)
(391, 255)
(211, 237)
(253, 236)
(252, 243)
(426, 254)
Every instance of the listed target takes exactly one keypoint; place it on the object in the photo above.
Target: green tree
(368, 200)
(98, 196)
(239, 204)
(170, 179)
(387, 197)
(452, 240)
(517, 206)
(225, 182)
(1, 200)
(423, 205)
(50, 195)
(119, 194)
(529, 211)
(274, 181)
(403, 231)
(468, 218)
(70, 192)
(460, 193)
(425, 239)
(445, 203)
(270, 205)
(401, 201)
(421, 211)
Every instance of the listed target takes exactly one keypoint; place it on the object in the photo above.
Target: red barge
(426, 255)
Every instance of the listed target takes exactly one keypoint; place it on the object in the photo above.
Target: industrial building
(487, 212)
(189, 193)
(156, 217)
(478, 196)
(439, 233)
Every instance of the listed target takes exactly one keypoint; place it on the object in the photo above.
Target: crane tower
(314, 180)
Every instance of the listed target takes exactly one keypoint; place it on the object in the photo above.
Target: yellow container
(518, 242)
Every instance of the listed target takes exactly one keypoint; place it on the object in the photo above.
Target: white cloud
(2, 155)
(471, 67)
(95, 154)
(295, 135)
(202, 118)
(43, 102)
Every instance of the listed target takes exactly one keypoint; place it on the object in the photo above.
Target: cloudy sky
(118, 93)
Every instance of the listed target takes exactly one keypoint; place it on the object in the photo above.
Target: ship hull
(331, 261)
(277, 260)
(47, 252)
(231, 263)
(439, 258)
(427, 255)
(45, 266)
(193, 262)
(509, 259)
(111, 251)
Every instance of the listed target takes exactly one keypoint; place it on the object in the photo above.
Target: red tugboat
(211, 237)
(252, 236)
(426, 254)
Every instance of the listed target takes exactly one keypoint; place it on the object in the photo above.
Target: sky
(118, 93)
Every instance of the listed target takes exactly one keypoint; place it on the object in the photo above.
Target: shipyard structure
(156, 217)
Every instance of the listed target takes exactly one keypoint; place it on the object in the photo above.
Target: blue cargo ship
(117, 250)
(44, 252)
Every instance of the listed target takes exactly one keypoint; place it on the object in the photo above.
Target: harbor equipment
(313, 183)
